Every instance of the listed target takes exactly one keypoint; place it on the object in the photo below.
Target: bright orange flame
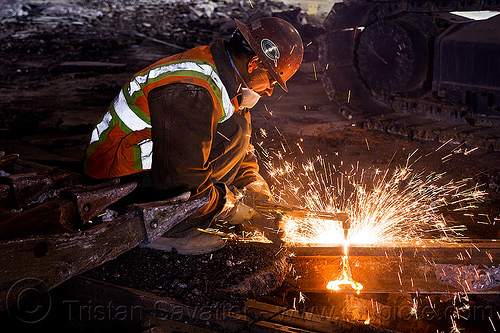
(346, 278)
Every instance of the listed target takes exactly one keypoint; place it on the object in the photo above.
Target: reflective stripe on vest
(133, 121)
(130, 113)
(146, 147)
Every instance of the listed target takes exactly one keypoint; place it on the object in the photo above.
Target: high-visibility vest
(121, 143)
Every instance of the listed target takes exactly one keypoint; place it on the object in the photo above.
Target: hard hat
(277, 44)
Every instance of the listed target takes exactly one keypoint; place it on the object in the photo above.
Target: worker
(183, 124)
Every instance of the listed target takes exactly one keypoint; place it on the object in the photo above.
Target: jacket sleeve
(184, 122)
(249, 170)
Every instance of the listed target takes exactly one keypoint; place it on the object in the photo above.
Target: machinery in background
(416, 68)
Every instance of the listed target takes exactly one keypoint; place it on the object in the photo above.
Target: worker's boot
(185, 238)
(196, 242)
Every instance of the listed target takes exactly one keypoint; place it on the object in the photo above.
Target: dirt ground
(61, 68)
(230, 275)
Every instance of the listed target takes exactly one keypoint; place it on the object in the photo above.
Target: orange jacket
(121, 142)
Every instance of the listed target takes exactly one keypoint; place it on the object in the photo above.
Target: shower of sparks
(396, 204)
(251, 4)
(315, 76)
(460, 304)
(399, 206)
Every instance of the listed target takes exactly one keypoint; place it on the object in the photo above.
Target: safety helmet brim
(277, 44)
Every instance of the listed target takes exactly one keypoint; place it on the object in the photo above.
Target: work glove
(238, 210)
(256, 191)
(234, 210)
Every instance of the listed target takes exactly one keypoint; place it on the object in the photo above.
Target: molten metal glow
(346, 277)
(335, 285)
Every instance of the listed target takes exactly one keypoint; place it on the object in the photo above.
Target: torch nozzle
(346, 225)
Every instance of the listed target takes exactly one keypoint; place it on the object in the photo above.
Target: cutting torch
(300, 212)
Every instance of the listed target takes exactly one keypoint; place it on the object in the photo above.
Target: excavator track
(407, 94)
